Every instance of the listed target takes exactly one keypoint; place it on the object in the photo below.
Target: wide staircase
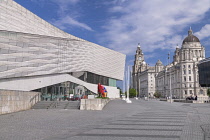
(57, 105)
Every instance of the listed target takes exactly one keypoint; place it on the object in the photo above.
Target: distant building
(143, 75)
(204, 72)
(182, 73)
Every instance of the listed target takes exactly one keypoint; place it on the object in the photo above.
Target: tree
(132, 92)
(157, 95)
(120, 90)
(208, 92)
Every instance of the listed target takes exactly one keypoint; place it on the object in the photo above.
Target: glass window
(185, 92)
(184, 71)
(189, 78)
(185, 78)
(189, 71)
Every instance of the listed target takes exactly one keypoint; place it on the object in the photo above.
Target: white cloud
(118, 2)
(206, 43)
(156, 24)
(204, 32)
(64, 5)
(67, 21)
(116, 9)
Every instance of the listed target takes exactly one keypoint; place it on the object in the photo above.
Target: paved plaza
(144, 120)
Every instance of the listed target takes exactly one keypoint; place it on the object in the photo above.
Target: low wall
(13, 101)
(183, 101)
(113, 92)
(200, 99)
(93, 104)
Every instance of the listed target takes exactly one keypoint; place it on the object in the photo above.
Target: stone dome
(159, 63)
(190, 37)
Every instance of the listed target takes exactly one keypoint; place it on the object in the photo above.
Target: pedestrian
(196, 97)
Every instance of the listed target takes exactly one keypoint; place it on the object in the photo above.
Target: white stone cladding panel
(38, 54)
(30, 55)
(14, 17)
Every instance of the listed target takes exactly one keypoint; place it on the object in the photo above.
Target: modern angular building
(36, 56)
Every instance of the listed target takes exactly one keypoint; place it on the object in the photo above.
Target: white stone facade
(143, 75)
(179, 78)
(147, 82)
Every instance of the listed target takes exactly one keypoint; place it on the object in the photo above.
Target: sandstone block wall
(13, 101)
(93, 104)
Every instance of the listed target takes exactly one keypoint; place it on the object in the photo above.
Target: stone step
(56, 105)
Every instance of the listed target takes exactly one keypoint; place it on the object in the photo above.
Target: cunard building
(179, 78)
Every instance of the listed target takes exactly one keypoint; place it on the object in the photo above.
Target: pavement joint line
(163, 111)
(129, 135)
(153, 129)
(144, 124)
(154, 118)
(153, 121)
(161, 115)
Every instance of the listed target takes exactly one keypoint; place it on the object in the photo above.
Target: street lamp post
(136, 77)
(124, 85)
(127, 99)
(147, 90)
(170, 86)
(139, 86)
(169, 78)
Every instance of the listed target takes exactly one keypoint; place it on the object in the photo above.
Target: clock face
(139, 58)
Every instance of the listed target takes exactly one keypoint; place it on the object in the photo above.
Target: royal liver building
(179, 78)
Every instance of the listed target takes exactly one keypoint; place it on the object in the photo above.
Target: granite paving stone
(144, 120)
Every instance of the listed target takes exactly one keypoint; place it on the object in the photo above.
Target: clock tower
(139, 60)
(139, 65)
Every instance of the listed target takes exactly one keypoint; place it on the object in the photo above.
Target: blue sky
(158, 25)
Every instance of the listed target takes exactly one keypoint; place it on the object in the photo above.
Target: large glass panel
(112, 82)
(66, 91)
(204, 74)
(95, 79)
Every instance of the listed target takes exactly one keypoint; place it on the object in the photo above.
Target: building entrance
(66, 91)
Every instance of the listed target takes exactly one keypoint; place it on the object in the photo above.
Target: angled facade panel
(38, 55)
(31, 47)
